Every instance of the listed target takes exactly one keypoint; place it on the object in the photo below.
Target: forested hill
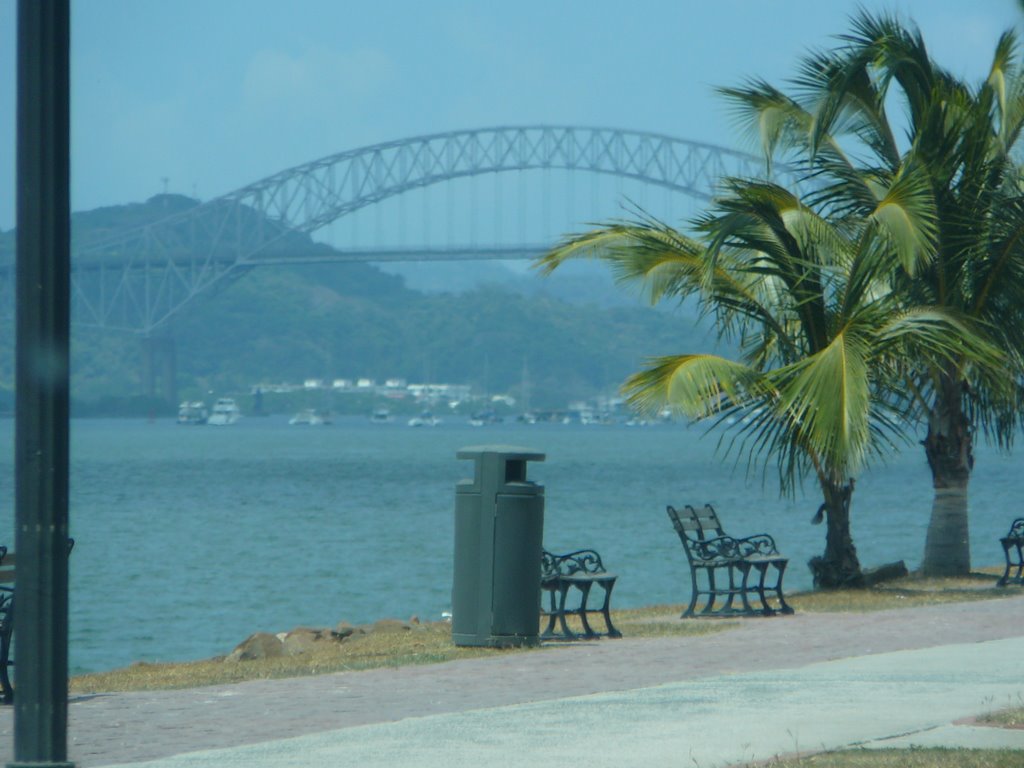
(288, 324)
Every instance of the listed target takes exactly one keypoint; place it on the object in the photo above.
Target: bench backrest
(1016, 529)
(691, 524)
(705, 541)
(702, 536)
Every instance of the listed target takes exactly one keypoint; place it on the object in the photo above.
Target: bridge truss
(137, 280)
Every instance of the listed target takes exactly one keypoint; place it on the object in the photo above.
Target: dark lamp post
(42, 360)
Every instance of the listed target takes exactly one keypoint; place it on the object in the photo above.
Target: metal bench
(1013, 543)
(6, 621)
(7, 593)
(560, 575)
(724, 567)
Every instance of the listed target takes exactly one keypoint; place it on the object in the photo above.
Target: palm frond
(596, 244)
(1001, 71)
(943, 339)
(698, 386)
(898, 53)
(907, 217)
(825, 399)
(767, 116)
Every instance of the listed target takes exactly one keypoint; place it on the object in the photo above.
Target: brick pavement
(116, 728)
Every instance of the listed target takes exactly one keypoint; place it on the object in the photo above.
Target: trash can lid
(514, 452)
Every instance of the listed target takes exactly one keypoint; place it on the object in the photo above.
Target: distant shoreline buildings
(394, 389)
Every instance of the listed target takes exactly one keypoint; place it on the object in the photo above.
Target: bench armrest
(719, 549)
(580, 561)
(758, 544)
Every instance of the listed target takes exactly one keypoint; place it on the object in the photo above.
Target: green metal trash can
(499, 531)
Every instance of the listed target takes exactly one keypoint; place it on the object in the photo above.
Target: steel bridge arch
(137, 280)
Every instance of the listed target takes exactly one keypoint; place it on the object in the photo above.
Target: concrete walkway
(773, 686)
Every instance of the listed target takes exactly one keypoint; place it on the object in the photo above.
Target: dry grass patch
(1007, 718)
(427, 643)
(1012, 716)
(910, 591)
(902, 758)
(656, 621)
(422, 644)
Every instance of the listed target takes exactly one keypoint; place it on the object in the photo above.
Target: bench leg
(694, 593)
(762, 569)
(549, 630)
(557, 593)
(6, 630)
(584, 587)
(780, 567)
(714, 593)
(744, 568)
(784, 607)
(1010, 546)
(1005, 579)
(762, 588)
(563, 593)
(746, 588)
(731, 594)
(5, 680)
(711, 593)
(606, 610)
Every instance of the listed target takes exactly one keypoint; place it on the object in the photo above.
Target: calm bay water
(191, 538)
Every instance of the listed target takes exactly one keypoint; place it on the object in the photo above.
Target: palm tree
(961, 138)
(823, 340)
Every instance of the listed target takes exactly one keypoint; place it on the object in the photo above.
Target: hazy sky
(214, 94)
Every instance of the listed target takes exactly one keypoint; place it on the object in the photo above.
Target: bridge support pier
(160, 368)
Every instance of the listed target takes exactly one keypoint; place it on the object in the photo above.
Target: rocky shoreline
(304, 640)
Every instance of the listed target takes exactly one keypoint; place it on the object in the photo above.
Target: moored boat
(425, 419)
(481, 418)
(381, 416)
(225, 412)
(192, 412)
(311, 417)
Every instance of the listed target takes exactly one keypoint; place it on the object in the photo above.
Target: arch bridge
(137, 280)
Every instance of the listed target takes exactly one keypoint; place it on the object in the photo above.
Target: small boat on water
(225, 412)
(311, 417)
(192, 412)
(481, 418)
(381, 416)
(425, 419)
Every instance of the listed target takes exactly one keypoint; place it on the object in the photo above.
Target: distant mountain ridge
(350, 320)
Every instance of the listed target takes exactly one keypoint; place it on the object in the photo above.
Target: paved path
(771, 686)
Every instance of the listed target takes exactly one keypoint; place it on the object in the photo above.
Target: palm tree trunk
(949, 448)
(947, 550)
(839, 567)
